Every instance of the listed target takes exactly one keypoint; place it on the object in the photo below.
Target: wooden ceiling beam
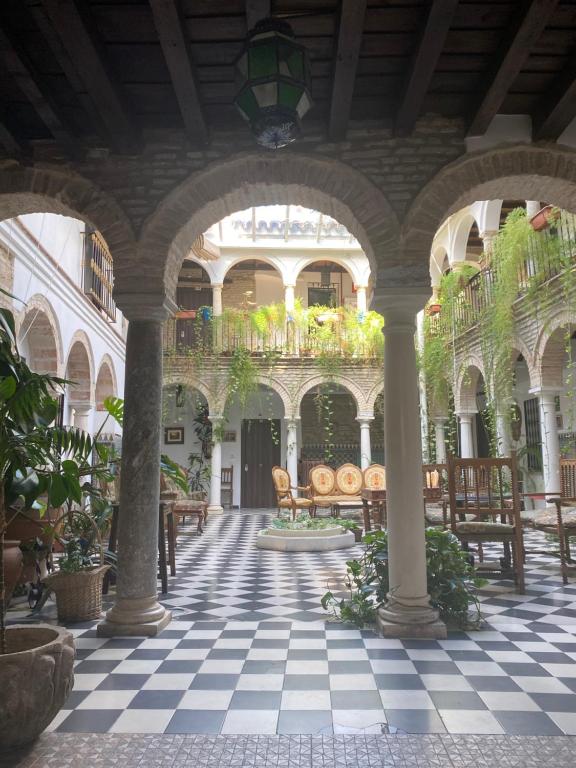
(256, 10)
(531, 20)
(21, 70)
(423, 64)
(350, 28)
(175, 46)
(11, 144)
(558, 108)
(88, 59)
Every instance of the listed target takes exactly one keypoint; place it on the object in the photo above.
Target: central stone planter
(320, 540)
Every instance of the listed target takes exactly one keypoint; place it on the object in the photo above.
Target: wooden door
(259, 455)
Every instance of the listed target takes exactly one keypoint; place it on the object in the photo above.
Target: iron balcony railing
(539, 267)
(98, 274)
(208, 336)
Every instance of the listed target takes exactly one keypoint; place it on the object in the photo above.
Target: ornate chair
(485, 508)
(435, 504)
(374, 495)
(284, 497)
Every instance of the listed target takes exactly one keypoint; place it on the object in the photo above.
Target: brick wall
(6, 276)
(237, 282)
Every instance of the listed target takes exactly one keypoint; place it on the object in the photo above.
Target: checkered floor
(249, 651)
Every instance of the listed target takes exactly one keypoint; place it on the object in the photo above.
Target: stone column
(407, 612)
(137, 610)
(216, 299)
(292, 451)
(82, 412)
(466, 419)
(503, 434)
(440, 435)
(289, 297)
(365, 446)
(361, 298)
(549, 437)
(215, 504)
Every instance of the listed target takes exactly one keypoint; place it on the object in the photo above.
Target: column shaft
(440, 434)
(215, 505)
(216, 299)
(550, 442)
(503, 435)
(292, 452)
(365, 442)
(466, 435)
(361, 298)
(137, 610)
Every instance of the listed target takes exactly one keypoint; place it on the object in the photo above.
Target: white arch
(351, 386)
(466, 385)
(81, 340)
(106, 363)
(358, 271)
(550, 350)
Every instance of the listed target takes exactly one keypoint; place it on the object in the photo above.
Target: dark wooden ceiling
(104, 72)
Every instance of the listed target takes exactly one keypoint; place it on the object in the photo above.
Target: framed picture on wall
(174, 435)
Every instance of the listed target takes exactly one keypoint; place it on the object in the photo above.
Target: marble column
(532, 208)
(466, 419)
(216, 299)
(407, 611)
(361, 305)
(365, 445)
(214, 499)
(136, 610)
(549, 438)
(289, 297)
(292, 451)
(82, 412)
(440, 435)
(503, 436)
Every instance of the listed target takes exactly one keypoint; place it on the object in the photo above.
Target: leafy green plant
(306, 523)
(452, 582)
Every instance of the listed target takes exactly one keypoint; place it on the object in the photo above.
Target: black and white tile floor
(249, 652)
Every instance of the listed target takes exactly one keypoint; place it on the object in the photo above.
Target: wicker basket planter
(78, 595)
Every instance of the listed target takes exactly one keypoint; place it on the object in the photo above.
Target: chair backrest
(281, 480)
(434, 478)
(349, 480)
(375, 477)
(322, 479)
(568, 478)
(226, 476)
(484, 488)
(306, 466)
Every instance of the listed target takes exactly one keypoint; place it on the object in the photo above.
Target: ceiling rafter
(87, 57)
(558, 108)
(350, 28)
(515, 49)
(423, 64)
(256, 10)
(173, 39)
(21, 70)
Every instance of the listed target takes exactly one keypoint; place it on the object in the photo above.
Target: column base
(215, 509)
(410, 623)
(140, 616)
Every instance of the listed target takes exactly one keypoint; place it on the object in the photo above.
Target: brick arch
(173, 378)
(39, 329)
(550, 350)
(51, 190)
(106, 382)
(251, 179)
(377, 389)
(467, 383)
(526, 172)
(80, 368)
(519, 347)
(349, 385)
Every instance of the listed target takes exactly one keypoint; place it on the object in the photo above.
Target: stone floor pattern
(250, 652)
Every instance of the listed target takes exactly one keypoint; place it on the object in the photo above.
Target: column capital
(145, 306)
(219, 286)
(543, 392)
(289, 284)
(81, 406)
(466, 415)
(215, 417)
(441, 420)
(291, 419)
(400, 305)
(364, 419)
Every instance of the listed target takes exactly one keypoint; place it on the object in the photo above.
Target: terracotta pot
(544, 218)
(186, 314)
(36, 676)
(12, 566)
(434, 309)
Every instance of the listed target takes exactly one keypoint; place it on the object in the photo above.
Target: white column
(361, 298)
(289, 297)
(466, 419)
(365, 445)
(82, 412)
(440, 435)
(216, 299)
(215, 505)
(487, 236)
(550, 442)
(292, 451)
(407, 611)
(532, 208)
(503, 434)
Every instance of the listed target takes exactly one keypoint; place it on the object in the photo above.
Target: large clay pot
(36, 676)
(12, 566)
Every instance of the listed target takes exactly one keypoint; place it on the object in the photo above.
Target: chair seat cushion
(548, 518)
(326, 501)
(298, 503)
(481, 527)
(184, 508)
(434, 514)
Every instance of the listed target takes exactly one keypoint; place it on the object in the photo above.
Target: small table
(375, 500)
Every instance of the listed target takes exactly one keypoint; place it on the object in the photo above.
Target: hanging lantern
(274, 94)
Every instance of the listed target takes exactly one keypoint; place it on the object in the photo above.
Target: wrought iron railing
(98, 274)
(550, 253)
(225, 335)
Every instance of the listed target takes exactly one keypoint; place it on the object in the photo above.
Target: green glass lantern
(274, 93)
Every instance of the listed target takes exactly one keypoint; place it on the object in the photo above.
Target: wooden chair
(227, 486)
(374, 496)
(435, 502)
(284, 497)
(486, 490)
(568, 478)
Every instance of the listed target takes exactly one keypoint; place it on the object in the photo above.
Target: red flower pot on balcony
(434, 309)
(186, 314)
(545, 216)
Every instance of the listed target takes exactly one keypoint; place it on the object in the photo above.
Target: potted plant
(545, 216)
(36, 661)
